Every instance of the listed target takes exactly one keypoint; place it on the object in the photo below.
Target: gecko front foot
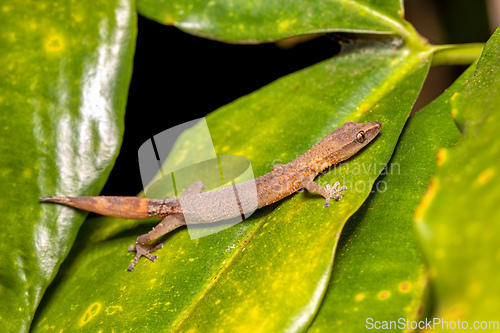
(333, 193)
(143, 250)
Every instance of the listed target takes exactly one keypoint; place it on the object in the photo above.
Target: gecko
(211, 206)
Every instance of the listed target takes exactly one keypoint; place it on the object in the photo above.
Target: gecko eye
(360, 137)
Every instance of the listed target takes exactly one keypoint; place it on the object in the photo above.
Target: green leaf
(63, 89)
(458, 217)
(379, 271)
(243, 21)
(278, 271)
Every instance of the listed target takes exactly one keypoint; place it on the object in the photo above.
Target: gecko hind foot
(333, 193)
(143, 250)
(143, 245)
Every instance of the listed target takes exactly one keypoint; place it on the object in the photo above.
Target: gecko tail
(122, 207)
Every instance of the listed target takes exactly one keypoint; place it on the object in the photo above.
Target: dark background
(178, 77)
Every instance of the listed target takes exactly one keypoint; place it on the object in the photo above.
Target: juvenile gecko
(284, 180)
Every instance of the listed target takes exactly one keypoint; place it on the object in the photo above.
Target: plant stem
(460, 54)
(414, 40)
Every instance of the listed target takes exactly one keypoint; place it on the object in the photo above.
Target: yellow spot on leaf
(217, 302)
(191, 259)
(360, 297)
(54, 44)
(384, 295)
(486, 176)
(405, 287)
(283, 26)
(442, 155)
(113, 309)
(91, 312)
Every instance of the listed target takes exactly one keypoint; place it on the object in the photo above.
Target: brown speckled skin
(213, 206)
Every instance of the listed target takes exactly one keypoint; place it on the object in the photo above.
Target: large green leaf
(63, 88)
(243, 21)
(276, 275)
(379, 272)
(458, 218)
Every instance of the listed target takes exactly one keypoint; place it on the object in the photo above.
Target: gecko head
(348, 139)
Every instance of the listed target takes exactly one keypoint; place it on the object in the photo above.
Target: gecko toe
(150, 257)
(143, 250)
(332, 193)
(336, 190)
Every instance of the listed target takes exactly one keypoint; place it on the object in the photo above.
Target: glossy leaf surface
(66, 67)
(274, 277)
(242, 21)
(458, 218)
(379, 272)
